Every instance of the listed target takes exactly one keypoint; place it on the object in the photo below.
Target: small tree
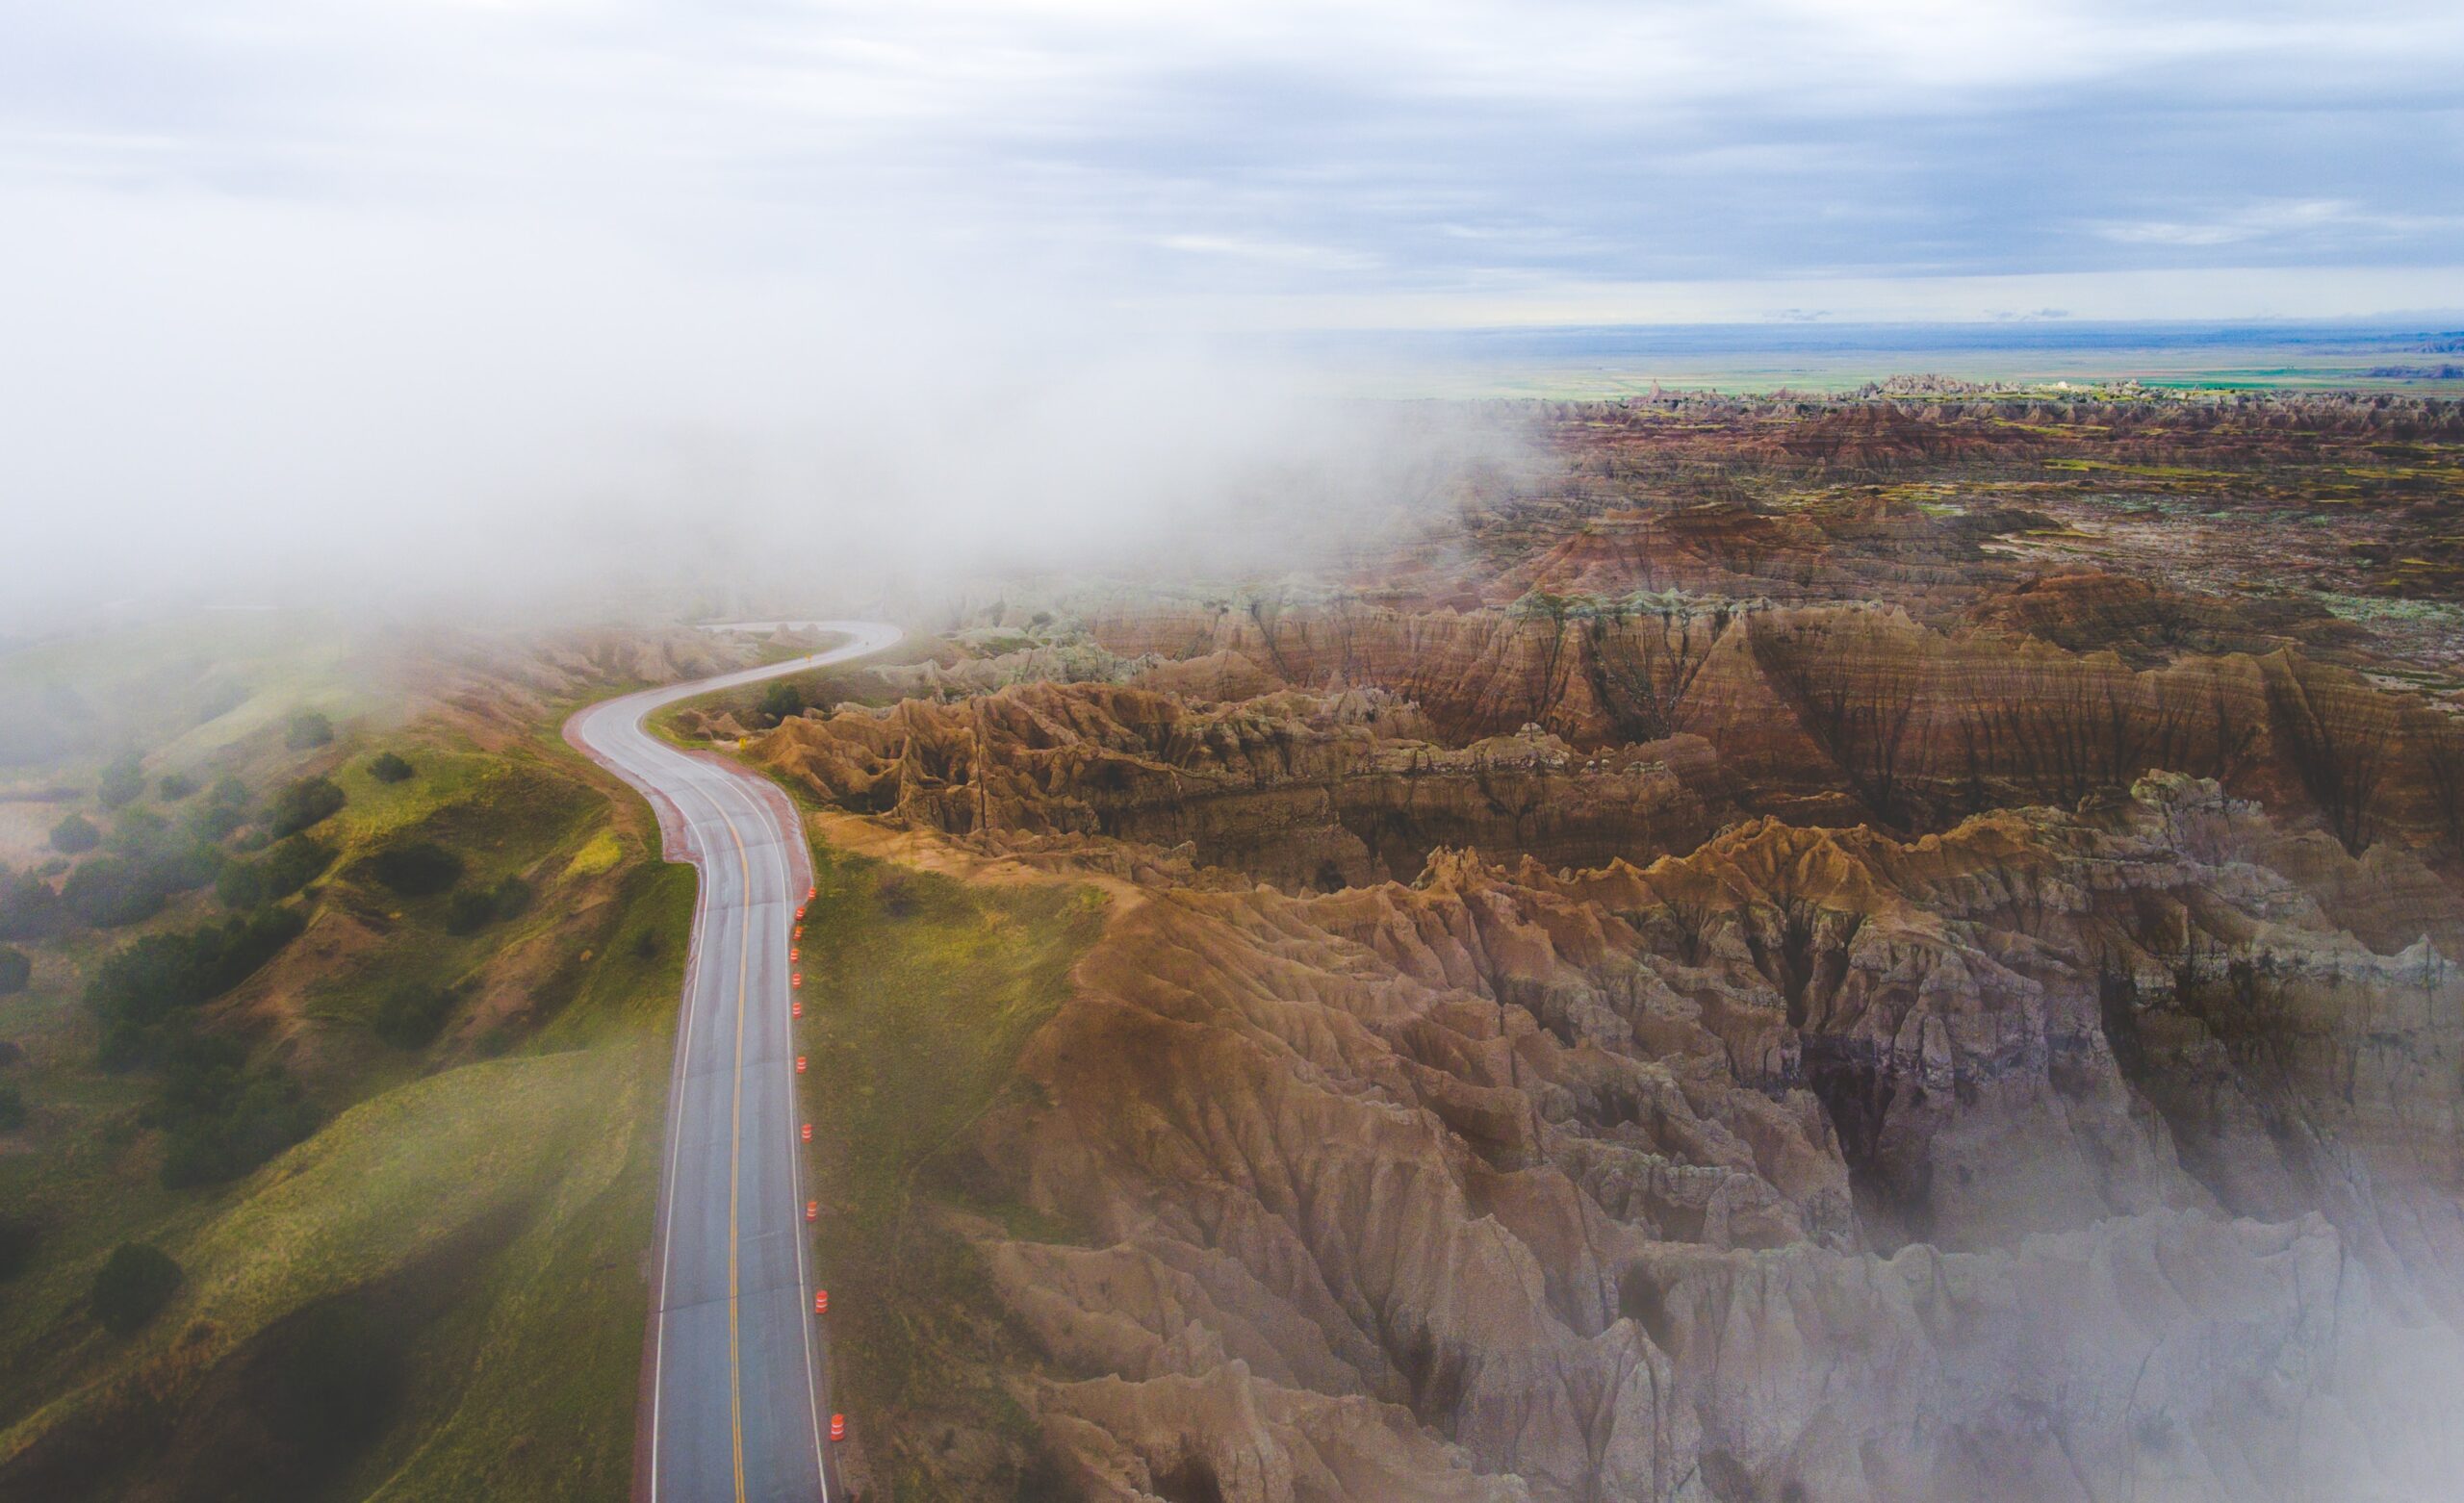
(75, 835)
(109, 891)
(303, 804)
(387, 767)
(308, 730)
(134, 1284)
(29, 907)
(416, 869)
(174, 786)
(16, 970)
(121, 783)
(469, 911)
(12, 1109)
(782, 701)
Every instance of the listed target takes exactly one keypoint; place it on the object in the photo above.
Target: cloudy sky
(299, 294)
(1420, 164)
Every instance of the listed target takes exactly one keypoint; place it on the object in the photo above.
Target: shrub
(220, 1119)
(109, 891)
(241, 885)
(29, 907)
(12, 1109)
(386, 767)
(782, 701)
(294, 863)
(133, 1285)
(302, 803)
(511, 896)
(290, 865)
(137, 830)
(211, 821)
(122, 781)
(416, 869)
(229, 790)
(308, 730)
(130, 883)
(75, 835)
(16, 970)
(413, 1013)
(140, 986)
(172, 788)
(469, 911)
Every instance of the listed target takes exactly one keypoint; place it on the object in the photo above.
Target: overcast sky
(327, 294)
(1417, 163)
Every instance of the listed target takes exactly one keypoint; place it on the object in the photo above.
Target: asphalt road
(734, 1388)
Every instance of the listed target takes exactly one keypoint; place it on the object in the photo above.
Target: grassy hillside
(921, 992)
(436, 1292)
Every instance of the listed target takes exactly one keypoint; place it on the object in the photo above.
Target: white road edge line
(867, 638)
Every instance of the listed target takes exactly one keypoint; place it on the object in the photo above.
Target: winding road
(735, 1384)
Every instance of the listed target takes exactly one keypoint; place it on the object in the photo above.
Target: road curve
(734, 1388)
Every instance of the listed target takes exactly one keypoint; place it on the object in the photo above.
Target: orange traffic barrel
(796, 1009)
(812, 1210)
(800, 1064)
(808, 1132)
(821, 1302)
(838, 1427)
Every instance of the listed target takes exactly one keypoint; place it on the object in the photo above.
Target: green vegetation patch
(919, 992)
(477, 1231)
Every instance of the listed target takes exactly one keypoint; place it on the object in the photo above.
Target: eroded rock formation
(2053, 1157)
(1728, 976)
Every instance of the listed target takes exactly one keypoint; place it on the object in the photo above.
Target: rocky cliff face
(1302, 790)
(1728, 978)
(1835, 714)
(2050, 1157)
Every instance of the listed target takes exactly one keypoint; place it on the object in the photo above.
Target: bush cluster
(160, 976)
(301, 803)
(413, 1013)
(122, 782)
(75, 835)
(387, 767)
(307, 730)
(416, 868)
(782, 701)
(220, 1119)
(29, 907)
(16, 970)
(475, 908)
(293, 863)
(133, 1285)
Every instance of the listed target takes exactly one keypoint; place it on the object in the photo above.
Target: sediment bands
(1732, 1051)
(1822, 715)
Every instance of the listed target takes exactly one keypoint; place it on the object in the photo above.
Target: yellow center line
(735, 1152)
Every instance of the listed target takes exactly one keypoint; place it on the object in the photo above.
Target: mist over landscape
(1234, 754)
